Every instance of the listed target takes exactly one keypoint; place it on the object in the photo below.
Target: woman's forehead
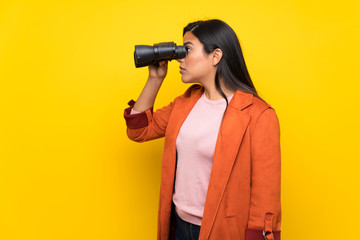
(189, 37)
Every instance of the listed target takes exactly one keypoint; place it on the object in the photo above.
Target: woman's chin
(185, 80)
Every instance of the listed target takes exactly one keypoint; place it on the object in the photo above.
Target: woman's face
(196, 66)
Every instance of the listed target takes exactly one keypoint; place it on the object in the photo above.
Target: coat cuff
(254, 234)
(137, 120)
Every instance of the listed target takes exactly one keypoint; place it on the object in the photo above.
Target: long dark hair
(231, 68)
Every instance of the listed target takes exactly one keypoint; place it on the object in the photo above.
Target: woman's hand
(158, 72)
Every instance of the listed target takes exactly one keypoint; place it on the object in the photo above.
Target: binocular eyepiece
(145, 55)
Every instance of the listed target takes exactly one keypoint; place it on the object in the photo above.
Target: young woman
(220, 173)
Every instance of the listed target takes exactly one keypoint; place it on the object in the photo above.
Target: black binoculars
(145, 55)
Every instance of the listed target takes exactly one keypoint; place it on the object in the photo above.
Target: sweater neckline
(215, 102)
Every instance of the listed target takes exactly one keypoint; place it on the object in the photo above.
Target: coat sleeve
(265, 206)
(147, 125)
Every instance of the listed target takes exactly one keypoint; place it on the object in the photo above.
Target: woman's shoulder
(251, 104)
(248, 101)
(260, 103)
(261, 109)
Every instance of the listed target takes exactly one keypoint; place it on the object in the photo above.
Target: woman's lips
(182, 70)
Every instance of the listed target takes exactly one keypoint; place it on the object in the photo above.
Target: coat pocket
(233, 228)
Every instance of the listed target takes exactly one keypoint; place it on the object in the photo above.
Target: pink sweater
(195, 147)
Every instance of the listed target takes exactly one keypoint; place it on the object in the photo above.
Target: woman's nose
(180, 60)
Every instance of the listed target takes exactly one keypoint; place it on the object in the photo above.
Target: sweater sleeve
(146, 125)
(265, 206)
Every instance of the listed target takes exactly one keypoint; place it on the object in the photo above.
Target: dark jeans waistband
(185, 230)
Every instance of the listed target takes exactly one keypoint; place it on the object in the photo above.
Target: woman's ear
(217, 55)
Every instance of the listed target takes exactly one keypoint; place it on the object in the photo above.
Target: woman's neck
(213, 94)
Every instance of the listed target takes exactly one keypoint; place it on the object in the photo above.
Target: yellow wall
(67, 169)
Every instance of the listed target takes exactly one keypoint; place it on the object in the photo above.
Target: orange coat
(245, 178)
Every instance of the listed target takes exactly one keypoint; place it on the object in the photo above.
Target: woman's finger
(162, 63)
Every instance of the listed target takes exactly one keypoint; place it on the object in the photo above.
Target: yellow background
(67, 169)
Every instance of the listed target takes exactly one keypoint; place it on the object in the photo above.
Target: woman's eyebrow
(188, 43)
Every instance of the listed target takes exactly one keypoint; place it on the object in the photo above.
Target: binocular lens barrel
(145, 55)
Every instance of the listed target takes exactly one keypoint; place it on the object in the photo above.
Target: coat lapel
(230, 136)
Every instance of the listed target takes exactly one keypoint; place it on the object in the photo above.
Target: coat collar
(241, 100)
